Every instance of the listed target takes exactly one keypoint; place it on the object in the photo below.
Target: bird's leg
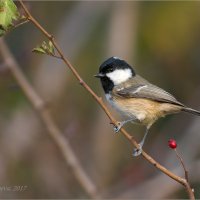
(138, 151)
(120, 124)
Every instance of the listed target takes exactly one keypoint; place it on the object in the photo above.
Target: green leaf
(39, 50)
(51, 48)
(8, 13)
(45, 48)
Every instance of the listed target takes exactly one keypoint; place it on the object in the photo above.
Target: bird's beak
(99, 75)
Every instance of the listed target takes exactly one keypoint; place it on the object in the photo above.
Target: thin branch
(102, 105)
(183, 165)
(17, 25)
(53, 130)
(20, 23)
(150, 185)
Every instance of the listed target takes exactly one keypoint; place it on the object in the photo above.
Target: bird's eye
(111, 70)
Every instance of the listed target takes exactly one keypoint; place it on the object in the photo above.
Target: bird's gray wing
(147, 91)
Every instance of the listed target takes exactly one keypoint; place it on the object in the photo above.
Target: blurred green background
(161, 40)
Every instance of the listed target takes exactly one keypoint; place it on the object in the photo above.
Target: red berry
(172, 144)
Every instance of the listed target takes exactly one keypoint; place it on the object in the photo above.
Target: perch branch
(183, 165)
(53, 130)
(131, 139)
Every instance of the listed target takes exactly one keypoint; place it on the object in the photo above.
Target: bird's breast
(145, 111)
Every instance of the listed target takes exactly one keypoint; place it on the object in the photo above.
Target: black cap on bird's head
(111, 64)
(114, 71)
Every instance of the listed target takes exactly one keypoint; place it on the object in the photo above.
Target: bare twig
(20, 23)
(100, 102)
(17, 25)
(183, 165)
(52, 128)
(149, 187)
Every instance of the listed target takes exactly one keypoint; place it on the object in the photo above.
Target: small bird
(135, 98)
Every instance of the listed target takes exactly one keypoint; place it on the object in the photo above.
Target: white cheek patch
(119, 75)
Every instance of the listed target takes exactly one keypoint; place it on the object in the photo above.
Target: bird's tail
(190, 110)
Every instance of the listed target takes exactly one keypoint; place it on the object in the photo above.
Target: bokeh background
(160, 39)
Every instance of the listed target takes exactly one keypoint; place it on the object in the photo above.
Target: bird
(135, 98)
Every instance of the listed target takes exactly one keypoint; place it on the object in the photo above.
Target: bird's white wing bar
(139, 88)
